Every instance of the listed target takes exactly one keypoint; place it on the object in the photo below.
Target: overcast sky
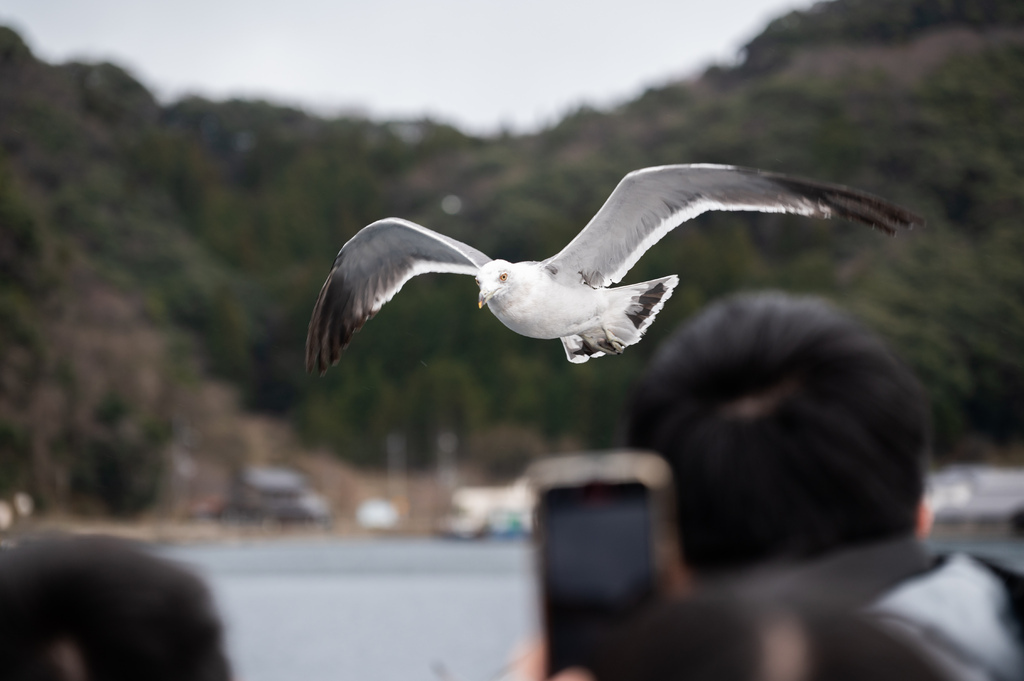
(480, 64)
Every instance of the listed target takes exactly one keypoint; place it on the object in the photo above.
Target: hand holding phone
(606, 539)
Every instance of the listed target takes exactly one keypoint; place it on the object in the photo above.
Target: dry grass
(904, 64)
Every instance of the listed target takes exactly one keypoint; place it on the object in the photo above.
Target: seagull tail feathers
(631, 310)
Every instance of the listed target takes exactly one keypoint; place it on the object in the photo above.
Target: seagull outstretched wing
(649, 203)
(369, 270)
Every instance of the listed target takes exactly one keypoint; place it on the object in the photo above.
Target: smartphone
(606, 541)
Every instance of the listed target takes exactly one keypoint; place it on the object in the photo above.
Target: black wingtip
(853, 204)
(331, 325)
(316, 331)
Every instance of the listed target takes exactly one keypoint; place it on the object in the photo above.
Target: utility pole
(447, 474)
(447, 470)
(394, 445)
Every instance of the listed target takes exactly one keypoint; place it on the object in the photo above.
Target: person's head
(709, 640)
(92, 608)
(790, 428)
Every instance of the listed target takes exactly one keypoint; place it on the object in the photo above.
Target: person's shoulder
(957, 582)
(1013, 579)
(965, 611)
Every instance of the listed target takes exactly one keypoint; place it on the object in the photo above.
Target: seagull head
(493, 279)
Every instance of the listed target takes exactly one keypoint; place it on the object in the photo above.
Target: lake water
(390, 609)
(369, 610)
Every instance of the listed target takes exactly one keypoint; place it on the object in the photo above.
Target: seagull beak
(484, 297)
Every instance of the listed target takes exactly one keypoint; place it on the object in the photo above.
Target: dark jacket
(962, 612)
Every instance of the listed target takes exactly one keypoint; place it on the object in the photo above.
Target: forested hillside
(203, 231)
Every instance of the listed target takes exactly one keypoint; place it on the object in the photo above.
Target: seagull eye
(504, 276)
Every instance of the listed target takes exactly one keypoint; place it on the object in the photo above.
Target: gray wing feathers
(369, 270)
(648, 204)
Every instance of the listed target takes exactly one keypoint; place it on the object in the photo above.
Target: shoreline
(175, 532)
(209, 531)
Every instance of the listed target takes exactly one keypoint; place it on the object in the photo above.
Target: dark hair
(710, 640)
(791, 430)
(96, 608)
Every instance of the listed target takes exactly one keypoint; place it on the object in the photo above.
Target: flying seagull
(567, 295)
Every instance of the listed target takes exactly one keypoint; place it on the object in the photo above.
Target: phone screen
(598, 566)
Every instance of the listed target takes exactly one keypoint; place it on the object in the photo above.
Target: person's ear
(925, 518)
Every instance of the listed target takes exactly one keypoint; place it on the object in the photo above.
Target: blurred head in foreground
(95, 609)
(702, 640)
(790, 428)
